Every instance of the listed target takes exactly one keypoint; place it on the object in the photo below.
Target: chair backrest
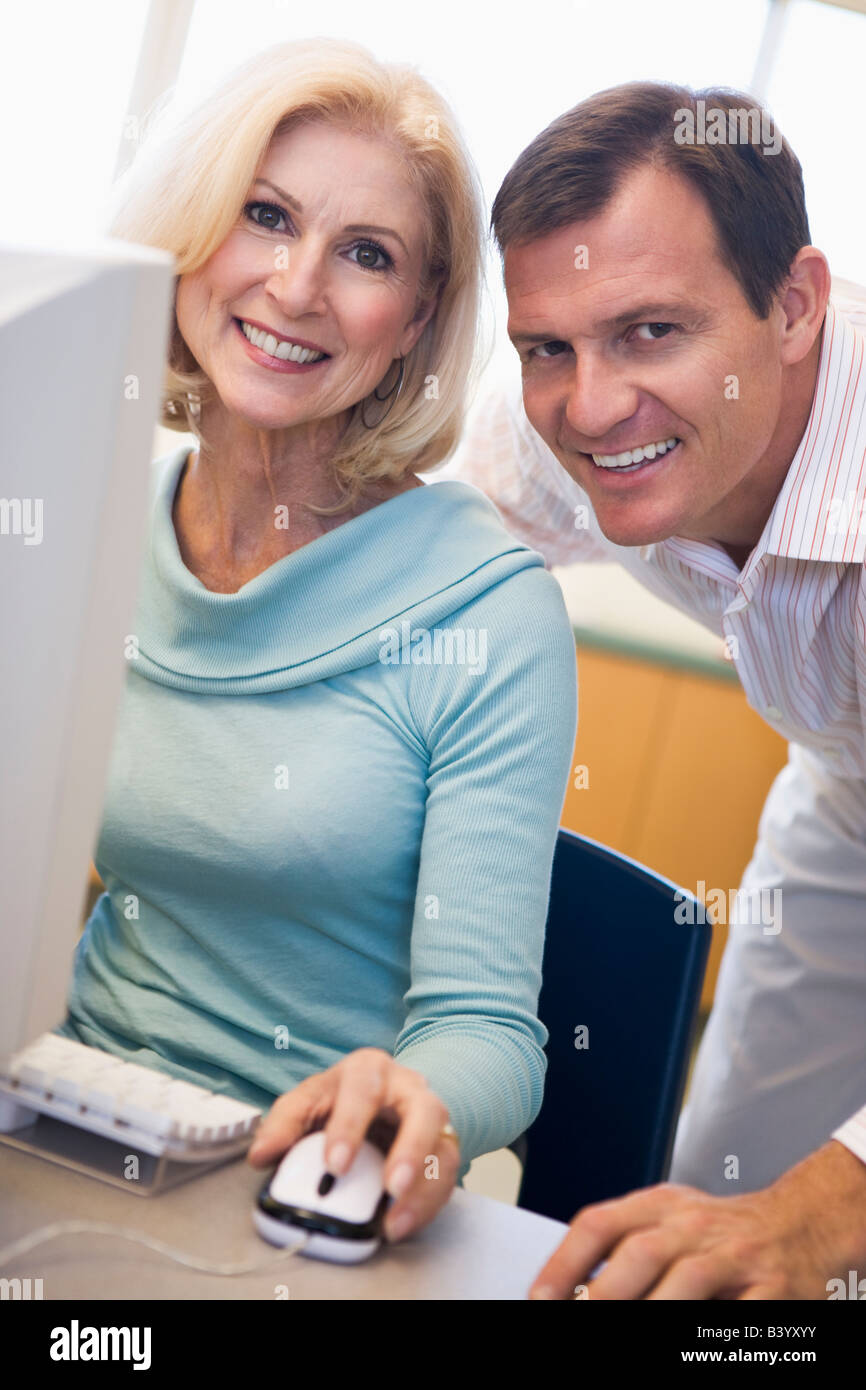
(624, 963)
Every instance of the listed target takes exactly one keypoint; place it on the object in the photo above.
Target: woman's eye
(654, 330)
(271, 210)
(370, 256)
(552, 349)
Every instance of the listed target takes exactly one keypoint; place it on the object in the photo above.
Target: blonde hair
(187, 185)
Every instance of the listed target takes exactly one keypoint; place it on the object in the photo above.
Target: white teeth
(631, 457)
(278, 347)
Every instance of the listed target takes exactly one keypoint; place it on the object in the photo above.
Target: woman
(350, 709)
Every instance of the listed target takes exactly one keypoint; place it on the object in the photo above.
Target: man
(695, 407)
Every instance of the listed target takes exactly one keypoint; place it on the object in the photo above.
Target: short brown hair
(754, 195)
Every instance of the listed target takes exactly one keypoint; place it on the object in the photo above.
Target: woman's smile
(331, 271)
(288, 355)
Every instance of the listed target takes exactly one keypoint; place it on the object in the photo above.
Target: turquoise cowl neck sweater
(331, 812)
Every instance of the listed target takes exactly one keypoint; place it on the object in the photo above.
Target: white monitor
(83, 340)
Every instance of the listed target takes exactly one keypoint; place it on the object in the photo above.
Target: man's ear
(804, 303)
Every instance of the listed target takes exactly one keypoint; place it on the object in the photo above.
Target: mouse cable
(102, 1228)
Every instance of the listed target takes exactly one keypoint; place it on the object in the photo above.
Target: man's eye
(552, 349)
(654, 331)
(271, 210)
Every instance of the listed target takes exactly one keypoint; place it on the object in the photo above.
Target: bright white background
(508, 67)
(66, 72)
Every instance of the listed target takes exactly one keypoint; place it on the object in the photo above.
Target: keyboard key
(176, 1115)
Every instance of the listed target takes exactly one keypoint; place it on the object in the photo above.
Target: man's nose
(299, 281)
(600, 397)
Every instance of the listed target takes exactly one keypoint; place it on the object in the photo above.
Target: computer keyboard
(145, 1109)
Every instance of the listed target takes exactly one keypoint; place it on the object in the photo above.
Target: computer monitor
(83, 340)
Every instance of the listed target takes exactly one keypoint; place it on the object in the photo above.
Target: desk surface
(475, 1249)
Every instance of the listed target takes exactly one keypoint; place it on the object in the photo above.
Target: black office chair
(620, 965)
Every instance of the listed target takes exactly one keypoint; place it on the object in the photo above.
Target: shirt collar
(820, 513)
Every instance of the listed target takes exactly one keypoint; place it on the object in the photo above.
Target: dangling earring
(394, 392)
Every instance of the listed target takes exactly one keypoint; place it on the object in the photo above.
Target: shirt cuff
(853, 1134)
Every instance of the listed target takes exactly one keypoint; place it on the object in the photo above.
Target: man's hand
(675, 1242)
(368, 1090)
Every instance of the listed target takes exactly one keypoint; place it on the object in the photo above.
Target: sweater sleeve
(500, 740)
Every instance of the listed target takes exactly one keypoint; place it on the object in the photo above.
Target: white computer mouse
(341, 1216)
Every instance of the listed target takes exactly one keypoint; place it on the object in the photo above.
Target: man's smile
(631, 458)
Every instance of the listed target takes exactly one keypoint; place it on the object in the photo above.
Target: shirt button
(773, 712)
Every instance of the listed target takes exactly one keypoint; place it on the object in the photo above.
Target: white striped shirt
(794, 618)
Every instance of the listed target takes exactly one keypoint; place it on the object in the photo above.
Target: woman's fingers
(422, 1118)
(422, 1165)
(372, 1083)
(291, 1115)
(362, 1091)
(433, 1185)
(366, 1094)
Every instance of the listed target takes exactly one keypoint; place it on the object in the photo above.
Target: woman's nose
(298, 282)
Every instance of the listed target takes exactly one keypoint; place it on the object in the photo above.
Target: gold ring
(449, 1132)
